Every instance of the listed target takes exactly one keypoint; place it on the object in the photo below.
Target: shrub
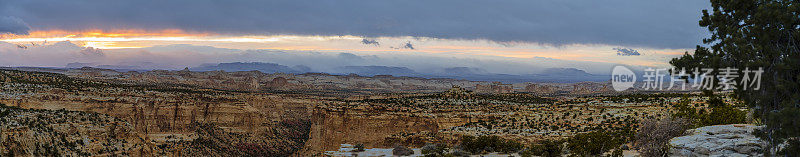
(546, 148)
(654, 135)
(720, 114)
(486, 144)
(401, 151)
(726, 115)
(459, 153)
(434, 149)
(594, 143)
(358, 147)
(616, 153)
(792, 148)
(785, 117)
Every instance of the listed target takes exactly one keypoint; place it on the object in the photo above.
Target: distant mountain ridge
(554, 75)
(258, 66)
(378, 70)
(566, 72)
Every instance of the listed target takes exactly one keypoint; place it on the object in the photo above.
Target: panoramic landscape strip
(438, 78)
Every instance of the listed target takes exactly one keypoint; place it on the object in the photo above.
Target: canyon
(188, 113)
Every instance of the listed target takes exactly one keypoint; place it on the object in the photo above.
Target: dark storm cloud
(12, 25)
(408, 45)
(626, 52)
(176, 57)
(656, 24)
(370, 42)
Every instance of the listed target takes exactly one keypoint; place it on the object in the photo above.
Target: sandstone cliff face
(26, 132)
(251, 113)
(274, 126)
(725, 140)
(332, 128)
(283, 140)
(495, 87)
(174, 113)
(580, 88)
(163, 115)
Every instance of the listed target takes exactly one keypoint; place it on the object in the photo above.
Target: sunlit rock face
(726, 140)
(32, 132)
(332, 128)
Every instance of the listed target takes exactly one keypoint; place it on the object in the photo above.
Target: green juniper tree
(748, 34)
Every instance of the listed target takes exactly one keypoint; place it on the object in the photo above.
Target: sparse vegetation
(358, 147)
(488, 144)
(717, 113)
(545, 148)
(44, 131)
(595, 143)
(654, 135)
(434, 150)
(400, 150)
(589, 125)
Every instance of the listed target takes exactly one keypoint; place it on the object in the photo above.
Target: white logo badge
(622, 78)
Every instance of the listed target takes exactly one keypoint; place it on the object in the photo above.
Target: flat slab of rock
(718, 140)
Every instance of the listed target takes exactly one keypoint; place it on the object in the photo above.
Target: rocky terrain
(33, 132)
(166, 116)
(718, 140)
(186, 113)
(322, 83)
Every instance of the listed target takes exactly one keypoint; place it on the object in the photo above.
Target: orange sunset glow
(115, 39)
(137, 38)
(402, 78)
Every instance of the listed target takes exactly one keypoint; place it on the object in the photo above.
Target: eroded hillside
(184, 113)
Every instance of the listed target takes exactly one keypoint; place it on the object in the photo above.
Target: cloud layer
(655, 24)
(179, 56)
(626, 52)
(13, 25)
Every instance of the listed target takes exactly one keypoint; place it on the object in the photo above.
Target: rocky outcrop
(495, 87)
(34, 132)
(283, 140)
(718, 140)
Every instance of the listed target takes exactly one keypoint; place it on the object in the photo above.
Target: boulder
(718, 140)
(402, 151)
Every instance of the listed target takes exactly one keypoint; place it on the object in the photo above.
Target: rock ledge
(718, 140)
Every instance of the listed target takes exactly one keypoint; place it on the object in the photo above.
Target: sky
(511, 36)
